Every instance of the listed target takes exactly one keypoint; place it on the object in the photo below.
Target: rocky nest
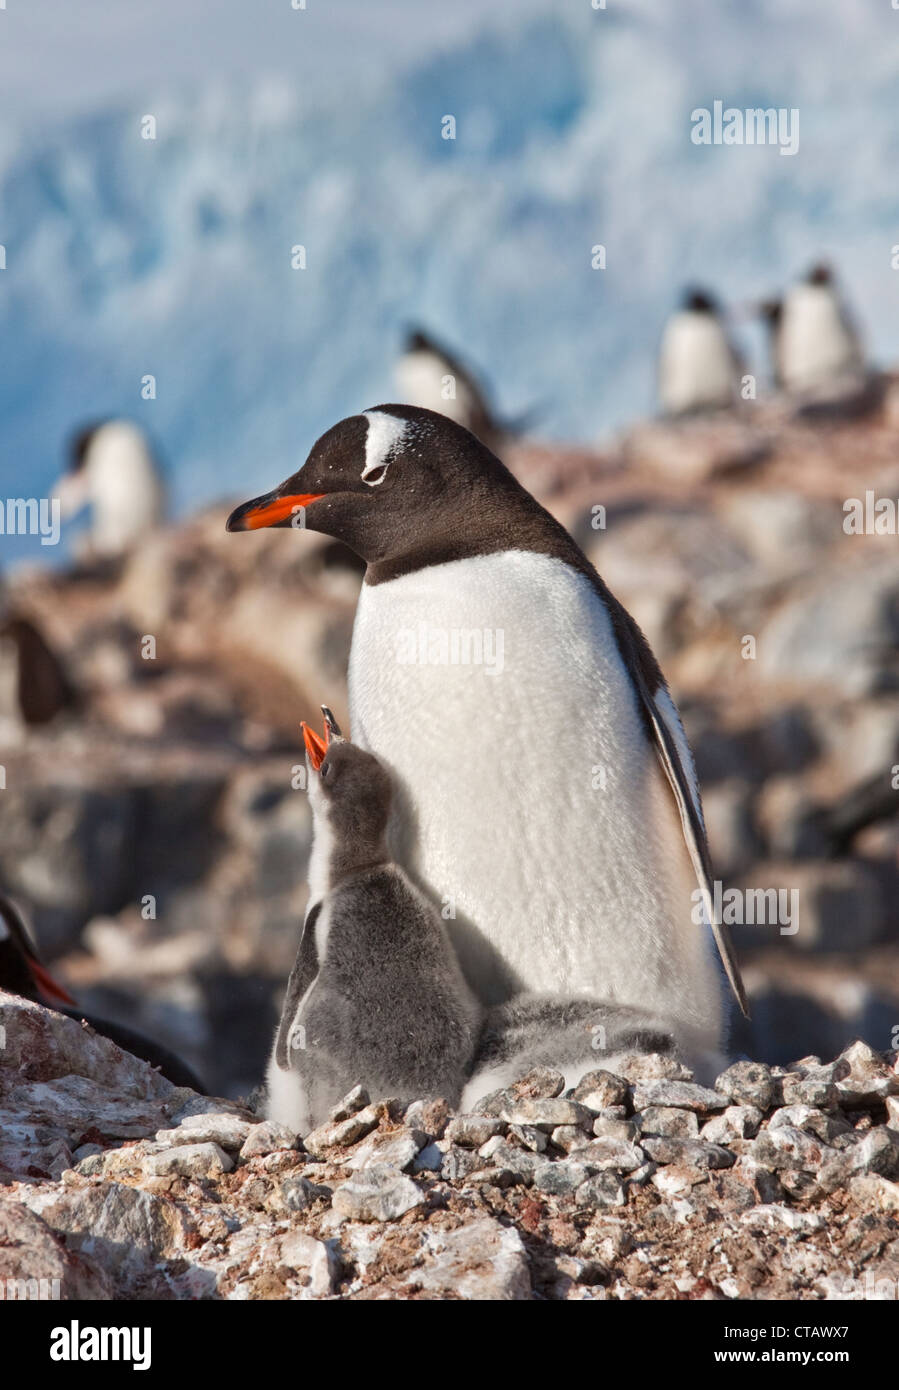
(777, 1183)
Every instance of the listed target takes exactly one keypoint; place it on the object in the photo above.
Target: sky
(322, 127)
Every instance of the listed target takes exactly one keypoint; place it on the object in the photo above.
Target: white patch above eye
(4, 931)
(384, 434)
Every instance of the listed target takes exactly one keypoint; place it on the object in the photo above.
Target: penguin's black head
(80, 443)
(699, 301)
(352, 787)
(394, 481)
(416, 341)
(820, 274)
(771, 310)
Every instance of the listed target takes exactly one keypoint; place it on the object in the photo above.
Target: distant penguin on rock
(431, 377)
(545, 782)
(770, 311)
(113, 472)
(376, 996)
(816, 344)
(34, 685)
(22, 972)
(699, 368)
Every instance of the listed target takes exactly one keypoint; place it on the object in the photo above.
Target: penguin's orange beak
(273, 509)
(316, 747)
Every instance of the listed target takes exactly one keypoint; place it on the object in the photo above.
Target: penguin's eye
(375, 475)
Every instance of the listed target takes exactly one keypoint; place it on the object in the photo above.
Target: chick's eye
(324, 771)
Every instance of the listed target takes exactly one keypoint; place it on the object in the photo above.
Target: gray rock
(547, 1113)
(569, 1138)
(354, 1101)
(34, 1260)
(814, 1088)
(748, 1083)
(540, 1083)
(561, 1178)
(626, 1131)
(189, 1161)
(471, 1131)
(785, 1147)
(298, 1193)
(690, 1153)
(521, 1164)
(342, 1133)
(480, 1261)
(681, 1095)
(397, 1149)
(600, 1089)
(316, 1258)
(603, 1190)
(228, 1131)
(267, 1138)
(668, 1119)
(827, 1126)
(736, 1122)
(458, 1163)
(529, 1137)
(379, 1193)
(613, 1154)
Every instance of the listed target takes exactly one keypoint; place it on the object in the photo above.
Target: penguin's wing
(677, 763)
(674, 755)
(301, 977)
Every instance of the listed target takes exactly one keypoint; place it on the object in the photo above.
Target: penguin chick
(376, 996)
(572, 1035)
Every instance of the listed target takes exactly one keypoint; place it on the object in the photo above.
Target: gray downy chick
(376, 996)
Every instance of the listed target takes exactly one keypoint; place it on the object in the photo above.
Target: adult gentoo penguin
(699, 368)
(816, 343)
(549, 797)
(23, 973)
(376, 996)
(113, 471)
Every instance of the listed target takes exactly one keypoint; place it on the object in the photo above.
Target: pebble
(228, 1131)
(430, 1116)
(458, 1163)
(600, 1089)
(540, 1083)
(667, 1119)
(188, 1161)
(562, 1177)
(267, 1138)
(379, 1193)
(354, 1101)
(682, 1095)
(316, 1257)
(748, 1083)
(615, 1154)
(429, 1159)
(299, 1193)
(547, 1112)
(736, 1122)
(398, 1150)
(342, 1133)
(693, 1153)
(624, 1130)
(471, 1131)
(521, 1164)
(529, 1137)
(569, 1138)
(603, 1190)
(786, 1147)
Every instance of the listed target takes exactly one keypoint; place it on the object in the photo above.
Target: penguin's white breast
(815, 343)
(535, 803)
(695, 363)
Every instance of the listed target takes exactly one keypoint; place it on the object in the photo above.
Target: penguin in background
(376, 996)
(815, 343)
(432, 378)
(22, 972)
(113, 472)
(34, 684)
(545, 781)
(699, 368)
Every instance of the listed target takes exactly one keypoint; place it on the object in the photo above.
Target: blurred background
(230, 226)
